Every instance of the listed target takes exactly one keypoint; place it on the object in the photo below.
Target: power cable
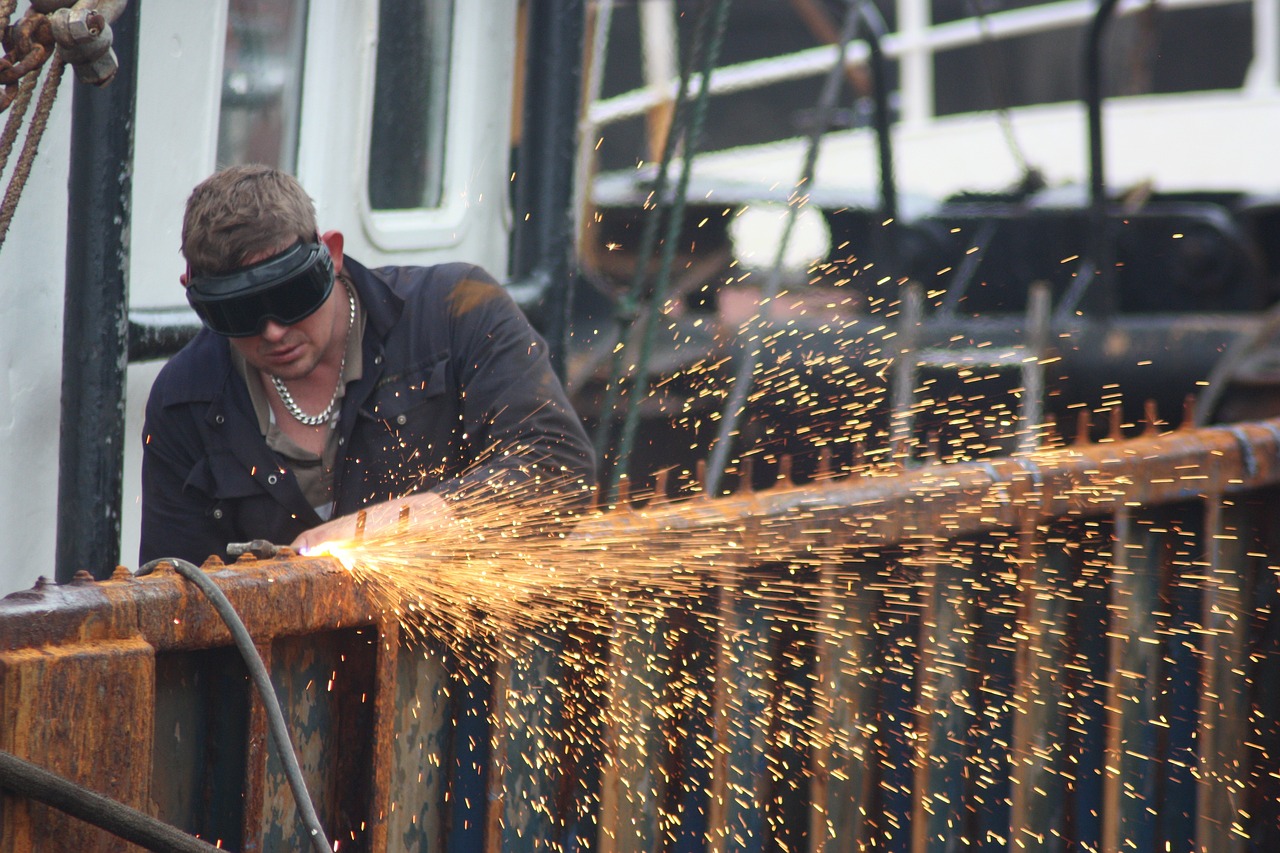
(25, 779)
(262, 680)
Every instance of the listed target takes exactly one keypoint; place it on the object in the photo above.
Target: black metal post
(1095, 276)
(95, 322)
(873, 30)
(542, 269)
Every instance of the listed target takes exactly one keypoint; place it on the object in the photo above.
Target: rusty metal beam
(944, 502)
(58, 643)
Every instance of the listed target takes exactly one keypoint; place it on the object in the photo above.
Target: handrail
(815, 61)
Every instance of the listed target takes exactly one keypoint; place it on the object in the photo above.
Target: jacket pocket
(405, 399)
(227, 478)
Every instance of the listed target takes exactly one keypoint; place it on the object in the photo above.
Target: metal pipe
(873, 30)
(95, 327)
(1095, 271)
(542, 269)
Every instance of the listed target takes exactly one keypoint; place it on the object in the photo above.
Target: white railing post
(916, 63)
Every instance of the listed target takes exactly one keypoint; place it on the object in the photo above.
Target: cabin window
(406, 150)
(262, 83)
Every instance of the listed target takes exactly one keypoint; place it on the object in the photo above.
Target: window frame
(445, 225)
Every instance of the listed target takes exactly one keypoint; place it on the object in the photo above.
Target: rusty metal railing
(1066, 650)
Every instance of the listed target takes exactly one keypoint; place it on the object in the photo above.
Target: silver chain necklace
(291, 406)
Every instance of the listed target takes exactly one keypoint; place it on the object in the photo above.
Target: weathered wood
(1222, 730)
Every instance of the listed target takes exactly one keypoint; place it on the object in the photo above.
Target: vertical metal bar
(1221, 731)
(633, 784)
(499, 747)
(1039, 724)
(736, 813)
(1037, 343)
(1095, 270)
(845, 708)
(1134, 654)
(873, 30)
(528, 773)
(904, 371)
(944, 706)
(387, 723)
(542, 240)
(95, 335)
(255, 784)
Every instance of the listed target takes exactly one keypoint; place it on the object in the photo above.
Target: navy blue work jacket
(456, 389)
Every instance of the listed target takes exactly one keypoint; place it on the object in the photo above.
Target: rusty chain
(27, 45)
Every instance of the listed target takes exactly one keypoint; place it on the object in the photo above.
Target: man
(319, 388)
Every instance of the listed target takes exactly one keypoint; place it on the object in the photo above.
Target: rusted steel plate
(70, 653)
(84, 711)
(273, 597)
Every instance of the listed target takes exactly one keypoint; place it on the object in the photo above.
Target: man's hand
(426, 508)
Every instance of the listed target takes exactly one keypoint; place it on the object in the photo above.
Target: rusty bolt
(72, 28)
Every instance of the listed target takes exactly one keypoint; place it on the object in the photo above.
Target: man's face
(292, 351)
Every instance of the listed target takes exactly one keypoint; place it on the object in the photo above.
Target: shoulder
(456, 291)
(440, 281)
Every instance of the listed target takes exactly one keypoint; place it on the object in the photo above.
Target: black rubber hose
(262, 680)
(28, 780)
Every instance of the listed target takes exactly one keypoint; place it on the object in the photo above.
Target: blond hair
(241, 211)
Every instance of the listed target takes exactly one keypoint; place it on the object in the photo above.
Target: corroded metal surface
(128, 685)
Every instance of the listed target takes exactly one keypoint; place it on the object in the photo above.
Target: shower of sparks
(834, 670)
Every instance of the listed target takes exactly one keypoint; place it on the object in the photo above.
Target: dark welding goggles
(287, 288)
